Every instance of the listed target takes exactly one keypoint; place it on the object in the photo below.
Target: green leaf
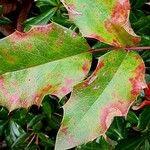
(35, 120)
(144, 119)
(42, 19)
(106, 21)
(147, 145)
(41, 3)
(3, 126)
(99, 144)
(3, 113)
(108, 92)
(145, 40)
(142, 26)
(131, 143)
(21, 141)
(46, 60)
(132, 118)
(47, 108)
(45, 139)
(21, 116)
(139, 3)
(4, 20)
(117, 129)
(12, 132)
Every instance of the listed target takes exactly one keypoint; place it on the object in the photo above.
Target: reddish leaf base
(147, 91)
(142, 105)
(145, 102)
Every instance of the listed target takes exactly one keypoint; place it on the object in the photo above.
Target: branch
(117, 48)
(26, 6)
(8, 6)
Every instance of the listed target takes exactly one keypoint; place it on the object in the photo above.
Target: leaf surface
(108, 92)
(107, 21)
(46, 60)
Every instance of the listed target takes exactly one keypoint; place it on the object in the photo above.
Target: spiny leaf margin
(108, 92)
(46, 60)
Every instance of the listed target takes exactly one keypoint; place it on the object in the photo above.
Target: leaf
(108, 92)
(43, 3)
(130, 143)
(142, 26)
(132, 118)
(139, 3)
(46, 60)
(4, 21)
(45, 139)
(144, 119)
(42, 19)
(107, 21)
(35, 120)
(117, 129)
(12, 132)
(100, 143)
(21, 141)
(47, 108)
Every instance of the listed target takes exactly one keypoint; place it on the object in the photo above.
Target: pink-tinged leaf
(46, 60)
(108, 92)
(106, 21)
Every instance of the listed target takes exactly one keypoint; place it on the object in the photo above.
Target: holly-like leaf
(46, 60)
(107, 21)
(108, 92)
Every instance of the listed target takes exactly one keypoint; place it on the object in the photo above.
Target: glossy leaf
(100, 143)
(117, 129)
(108, 92)
(144, 119)
(135, 143)
(12, 132)
(107, 21)
(46, 60)
(132, 118)
(4, 21)
(42, 19)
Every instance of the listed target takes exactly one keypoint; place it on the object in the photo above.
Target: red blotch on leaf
(47, 88)
(136, 39)
(137, 81)
(29, 46)
(110, 111)
(116, 43)
(99, 66)
(74, 34)
(120, 11)
(19, 36)
(67, 86)
(96, 37)
(64, 130)
(85, 67)
(38, 97)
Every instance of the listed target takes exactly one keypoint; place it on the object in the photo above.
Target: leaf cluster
(36, 128)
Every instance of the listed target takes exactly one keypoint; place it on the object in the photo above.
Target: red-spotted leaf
(104, 20)
(108, 92)
(46, 60)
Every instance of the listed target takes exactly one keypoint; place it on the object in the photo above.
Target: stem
(138, 48)
(23, 14)
(117, 48)
(8, 6)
